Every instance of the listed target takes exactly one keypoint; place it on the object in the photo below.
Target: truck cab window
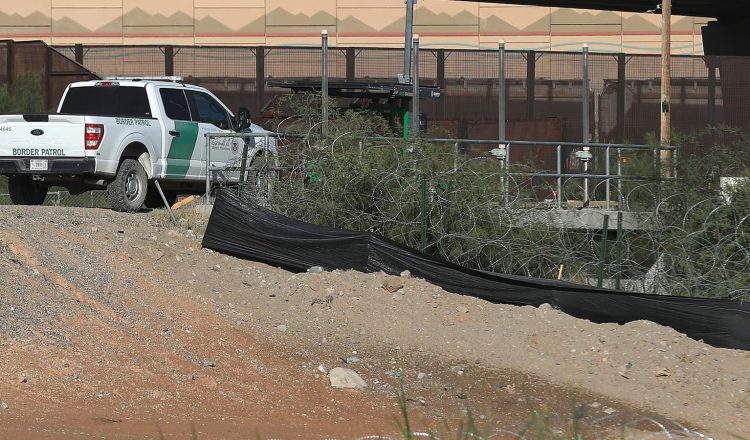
(210, 111)
(175, 104)
(119, 101)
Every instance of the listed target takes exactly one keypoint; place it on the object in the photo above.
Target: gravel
(85, 292)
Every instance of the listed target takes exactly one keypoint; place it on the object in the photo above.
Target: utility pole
(666, 78)
(405, 77)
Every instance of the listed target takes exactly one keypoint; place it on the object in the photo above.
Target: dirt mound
(122, 325)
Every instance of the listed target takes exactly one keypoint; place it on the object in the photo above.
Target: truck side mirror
(243, 118)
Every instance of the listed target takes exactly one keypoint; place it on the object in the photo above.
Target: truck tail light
(93, 136)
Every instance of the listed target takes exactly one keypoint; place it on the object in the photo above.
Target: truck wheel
(154, 201)
(128, 191)
(26, 191)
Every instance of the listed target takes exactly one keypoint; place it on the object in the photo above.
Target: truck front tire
(26, 191)
(128, 191)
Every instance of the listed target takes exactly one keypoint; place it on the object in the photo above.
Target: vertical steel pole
(324, 82)
(585, 119)
(415, 99)
(404, 77)
(608, 182)
(169, 60)
(260, 77)
(621, 98)
(78, 50)
(666, 76)
(603, 252)
(559, 176)
(530, 84)
(711, 63)
(618, 277)
(501, 91)
(506, 173)
(455, 157)
(619, 180)
(585, 94)
(208, 170)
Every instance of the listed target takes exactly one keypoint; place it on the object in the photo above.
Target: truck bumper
(55, 166)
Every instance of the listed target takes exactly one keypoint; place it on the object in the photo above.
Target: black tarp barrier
(251, 232)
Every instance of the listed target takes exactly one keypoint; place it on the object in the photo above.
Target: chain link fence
(91, 199)
(624, 98)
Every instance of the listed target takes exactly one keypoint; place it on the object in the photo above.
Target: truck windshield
(107, 101)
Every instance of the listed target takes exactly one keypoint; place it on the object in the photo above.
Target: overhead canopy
(725, 9)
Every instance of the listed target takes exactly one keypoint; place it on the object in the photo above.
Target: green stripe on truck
(181, 150)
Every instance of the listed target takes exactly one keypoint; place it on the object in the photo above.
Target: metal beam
(693, 8)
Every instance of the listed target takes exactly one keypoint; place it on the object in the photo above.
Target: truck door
(213, 117)
(181, 137)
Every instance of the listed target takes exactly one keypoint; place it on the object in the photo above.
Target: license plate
(38, 165)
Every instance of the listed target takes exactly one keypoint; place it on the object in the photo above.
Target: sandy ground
(122, 326)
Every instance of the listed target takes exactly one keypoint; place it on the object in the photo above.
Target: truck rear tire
(128, 191)
(26, 191)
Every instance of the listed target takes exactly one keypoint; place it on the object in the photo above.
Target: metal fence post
(621, 98)
(208, 169)
(585, 93)
(78, 51)
(441, 104)
(618, 277)
(501, 91)
(9, 63)
(260, 77)
(585, 120)
(324, 81)
(423, 214)
(169, 60)
(608, 182)
(620, 198)
(415, 99)
(558, 197)
(351, 64)
(603, 252)
(530, 83)
(711, 64)
(404, 77)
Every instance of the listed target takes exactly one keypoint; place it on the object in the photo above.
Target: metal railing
(213, 173)
(502, 153)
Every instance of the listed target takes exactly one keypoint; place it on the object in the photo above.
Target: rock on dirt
(341, 377)
(393, 284)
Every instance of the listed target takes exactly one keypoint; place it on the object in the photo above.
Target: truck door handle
(174, 133)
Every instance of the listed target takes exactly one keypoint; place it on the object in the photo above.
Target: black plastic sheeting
(251, 232)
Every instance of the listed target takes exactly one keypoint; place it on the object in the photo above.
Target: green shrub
(471, 212)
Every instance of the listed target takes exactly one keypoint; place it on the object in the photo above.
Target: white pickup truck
(121, 134)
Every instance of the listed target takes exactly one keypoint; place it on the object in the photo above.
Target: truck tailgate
(42, 136)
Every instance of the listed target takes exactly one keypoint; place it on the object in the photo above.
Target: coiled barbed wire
(472, 212)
